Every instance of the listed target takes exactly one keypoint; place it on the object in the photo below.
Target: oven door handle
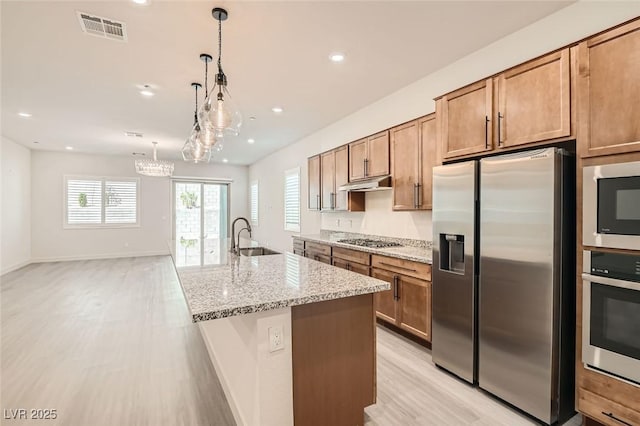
(611, 281)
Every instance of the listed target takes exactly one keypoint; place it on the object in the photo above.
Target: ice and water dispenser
(452, 253)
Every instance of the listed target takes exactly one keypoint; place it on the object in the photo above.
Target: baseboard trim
(99, 256)
(15, 267)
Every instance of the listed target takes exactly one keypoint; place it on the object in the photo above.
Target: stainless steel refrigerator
(504, 277)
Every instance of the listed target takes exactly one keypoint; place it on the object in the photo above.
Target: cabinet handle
(419, 185)
(611, 416)
(366, 167)
(348, 266)
(318, 198)
(332, 201)
(415, 195)
(486, 132)
(500, 117)
(396, 295)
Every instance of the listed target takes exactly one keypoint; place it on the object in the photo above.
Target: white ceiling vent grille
(102, 27)
(133, 134)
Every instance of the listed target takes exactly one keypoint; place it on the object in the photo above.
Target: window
(292, 200)
(254, 202)
(96, 202)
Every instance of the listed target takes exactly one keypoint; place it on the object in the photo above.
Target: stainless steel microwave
(611, 206)
(611, 314)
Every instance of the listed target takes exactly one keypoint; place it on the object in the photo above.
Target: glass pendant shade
(219, 115)
(155, 167)
(193, 150)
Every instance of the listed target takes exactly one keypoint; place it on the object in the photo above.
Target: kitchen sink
(257, 251)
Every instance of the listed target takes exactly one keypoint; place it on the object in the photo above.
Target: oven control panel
(614, 265)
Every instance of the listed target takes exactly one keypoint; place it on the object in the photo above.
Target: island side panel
(256, 382)
(334, 361)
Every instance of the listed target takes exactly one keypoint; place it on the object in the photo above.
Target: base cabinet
(407, 305)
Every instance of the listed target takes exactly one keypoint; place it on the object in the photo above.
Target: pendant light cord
(220, 46)
(195, 113)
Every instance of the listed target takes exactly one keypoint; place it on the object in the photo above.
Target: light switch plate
(276, 338)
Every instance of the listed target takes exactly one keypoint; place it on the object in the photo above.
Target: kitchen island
(292, 340)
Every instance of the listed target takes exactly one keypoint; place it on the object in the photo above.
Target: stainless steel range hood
(373, 184)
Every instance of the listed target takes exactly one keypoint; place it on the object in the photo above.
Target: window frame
(292, 227)
(102, 224)
(257, 184)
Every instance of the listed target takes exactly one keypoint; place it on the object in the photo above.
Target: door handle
(500, 117)
(486, 132)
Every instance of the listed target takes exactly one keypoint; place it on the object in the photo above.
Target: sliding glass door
(200, 221)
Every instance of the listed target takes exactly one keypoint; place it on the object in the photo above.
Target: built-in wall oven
(611, 206)
(611, 314)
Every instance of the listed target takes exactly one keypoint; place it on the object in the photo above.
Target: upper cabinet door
(428, 159)
(405, 155)
(327, 165)
(466, 120)
(357, 159)
(609, 92)
(534, 101)
(377, 163)
(313, 170)
(341, 177)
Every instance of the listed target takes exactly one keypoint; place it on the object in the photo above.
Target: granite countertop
(237, 285)
(406, 252)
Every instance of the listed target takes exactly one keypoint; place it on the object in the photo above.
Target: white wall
(566, 26)
(50, 241)
(16, 206)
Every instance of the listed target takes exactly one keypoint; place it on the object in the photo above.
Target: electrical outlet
(276, 338)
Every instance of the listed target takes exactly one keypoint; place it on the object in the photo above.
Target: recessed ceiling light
(147, 93)
(68, 148)
(337, 57)
(252, 118)
(224, 160)
(141, 1)
(251, 140)
(277, 110)
(24, 114)
(36, 142)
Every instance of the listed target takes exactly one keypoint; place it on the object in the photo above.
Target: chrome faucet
(235, 247)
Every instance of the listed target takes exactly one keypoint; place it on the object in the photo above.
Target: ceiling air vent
(133, 134)
(102, 27)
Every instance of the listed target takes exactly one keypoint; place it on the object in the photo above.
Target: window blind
(292, 200)
(254, 202)
(101, 201)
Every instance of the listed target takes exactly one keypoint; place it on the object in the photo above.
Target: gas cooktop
(365, 242)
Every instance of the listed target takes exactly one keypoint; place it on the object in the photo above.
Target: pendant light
(219, 116)
(155, 167)
(194, 150)
(208, 138)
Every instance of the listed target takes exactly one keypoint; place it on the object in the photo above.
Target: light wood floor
(110, 342)
(105, 342)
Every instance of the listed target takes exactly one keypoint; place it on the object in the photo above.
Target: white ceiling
(82, 89)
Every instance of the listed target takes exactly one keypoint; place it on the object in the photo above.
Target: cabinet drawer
(318, 248)
(605, 410)
(298, 252)
(350, 266)
(319, 257)
(351, 255)
(298, 244)
(406, 267)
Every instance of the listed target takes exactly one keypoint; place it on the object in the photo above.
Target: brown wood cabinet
(527, 104)
(413, 155)
(351, 260)
(534, 101)
(608, 89)
(408, 304)
(334, 166)
(369, 157)
(466, 120)
(313, 171)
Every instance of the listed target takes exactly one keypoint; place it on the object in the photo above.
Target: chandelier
(155, 167)
(218, 116)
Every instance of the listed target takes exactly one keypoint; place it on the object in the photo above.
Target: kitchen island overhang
(325, 372)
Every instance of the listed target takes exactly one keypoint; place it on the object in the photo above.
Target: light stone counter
(243, 285)
(417, 254)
